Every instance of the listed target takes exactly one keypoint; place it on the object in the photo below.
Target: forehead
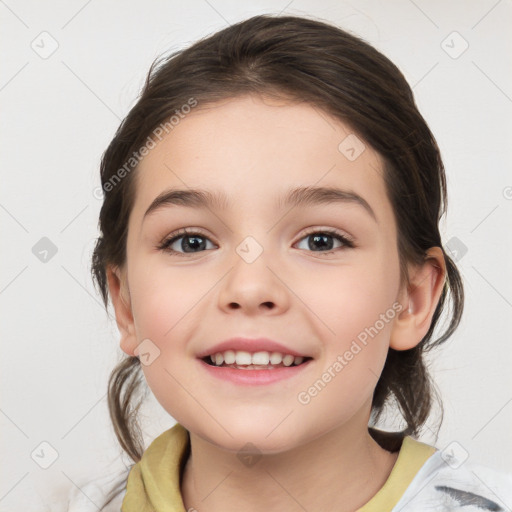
(254, 149)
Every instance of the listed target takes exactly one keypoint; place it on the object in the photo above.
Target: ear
(118, 288)
(419, 301)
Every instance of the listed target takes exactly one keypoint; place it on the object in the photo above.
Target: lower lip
(254, 377)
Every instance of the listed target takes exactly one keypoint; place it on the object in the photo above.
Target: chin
(256, 437)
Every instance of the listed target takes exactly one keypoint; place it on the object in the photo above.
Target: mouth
(243, 360)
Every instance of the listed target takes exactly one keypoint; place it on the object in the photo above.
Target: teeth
(276, 358)
(288, 360)
(242, 357)
(262, 358)
(229, 357)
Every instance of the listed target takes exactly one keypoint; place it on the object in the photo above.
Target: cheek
(350, 299)
(165, 302)
(360, 316)
(166, 307)
(162, 307)
(355, 307)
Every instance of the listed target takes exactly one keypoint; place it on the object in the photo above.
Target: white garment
(438, 486)
(443, 486)
(92, 496)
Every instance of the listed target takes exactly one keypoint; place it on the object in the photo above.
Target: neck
(340, 470)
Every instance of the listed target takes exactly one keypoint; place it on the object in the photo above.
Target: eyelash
(165, 245)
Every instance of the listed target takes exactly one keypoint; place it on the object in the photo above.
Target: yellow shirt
(154, 482)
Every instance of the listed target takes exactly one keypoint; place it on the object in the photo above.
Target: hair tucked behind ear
(416, 398)
(307, 61)
(124, 383)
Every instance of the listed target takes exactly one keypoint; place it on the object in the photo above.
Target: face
(320, 277)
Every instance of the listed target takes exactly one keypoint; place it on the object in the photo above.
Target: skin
(318, 456)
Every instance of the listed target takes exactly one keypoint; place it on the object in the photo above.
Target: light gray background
(60, 112)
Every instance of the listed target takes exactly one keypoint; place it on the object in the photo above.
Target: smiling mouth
(257, 361)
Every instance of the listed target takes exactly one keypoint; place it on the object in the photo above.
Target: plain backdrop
(70, 71)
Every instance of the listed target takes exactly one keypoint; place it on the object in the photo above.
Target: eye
(323, 241)
(185, 242)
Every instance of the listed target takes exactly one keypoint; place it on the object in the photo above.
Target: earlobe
(118, 289)
(420, 301)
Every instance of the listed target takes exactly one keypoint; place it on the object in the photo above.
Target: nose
(254, 287)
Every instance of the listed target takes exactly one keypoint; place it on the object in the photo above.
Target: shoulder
(447, 482)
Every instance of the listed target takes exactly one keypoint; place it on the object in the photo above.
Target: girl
(270, 243)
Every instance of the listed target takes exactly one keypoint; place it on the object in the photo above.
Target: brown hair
(315, 62)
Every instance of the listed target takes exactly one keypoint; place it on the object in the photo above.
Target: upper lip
(249, 345)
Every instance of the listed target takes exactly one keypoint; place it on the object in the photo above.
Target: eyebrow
(299, 196)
